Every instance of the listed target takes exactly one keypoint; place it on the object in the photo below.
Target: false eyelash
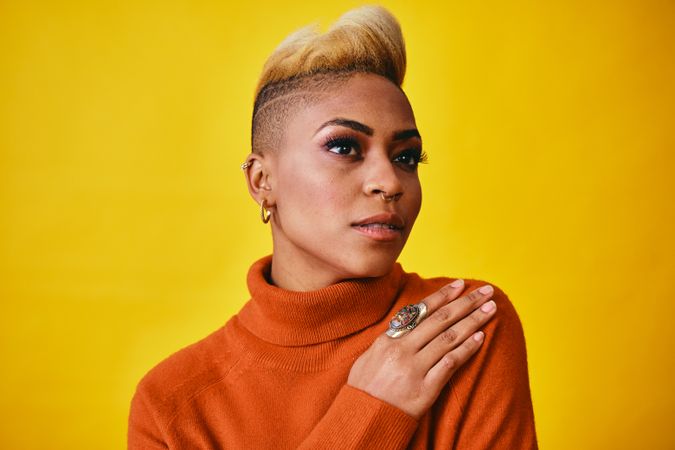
(421, 155)
(332, 141)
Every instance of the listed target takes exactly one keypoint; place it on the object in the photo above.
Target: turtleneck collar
(295, 318)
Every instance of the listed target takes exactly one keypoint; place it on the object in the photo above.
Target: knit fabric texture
(275, 377)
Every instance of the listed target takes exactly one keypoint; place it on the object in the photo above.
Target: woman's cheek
(326, 193)
(309, 203)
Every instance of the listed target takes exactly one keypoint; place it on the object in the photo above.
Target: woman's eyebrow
(406, 134)
(365, 129)
(353, 124)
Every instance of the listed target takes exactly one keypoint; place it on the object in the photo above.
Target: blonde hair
(365, 39)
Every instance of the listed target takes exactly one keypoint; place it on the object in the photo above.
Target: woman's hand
(409, 372)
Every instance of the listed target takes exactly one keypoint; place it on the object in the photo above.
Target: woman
(313, 360)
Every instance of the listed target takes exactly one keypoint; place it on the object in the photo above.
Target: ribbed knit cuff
(357, 420)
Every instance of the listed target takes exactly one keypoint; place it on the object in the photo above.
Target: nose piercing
(388, 198)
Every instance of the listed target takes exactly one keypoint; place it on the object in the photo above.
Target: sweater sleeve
(143, 432)
(357, 420)
(494, 392)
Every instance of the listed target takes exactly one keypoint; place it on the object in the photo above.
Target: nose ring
(388, 198)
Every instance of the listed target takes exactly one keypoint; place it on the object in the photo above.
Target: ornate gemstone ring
(406, 319)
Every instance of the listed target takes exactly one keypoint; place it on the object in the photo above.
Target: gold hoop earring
(264, 214)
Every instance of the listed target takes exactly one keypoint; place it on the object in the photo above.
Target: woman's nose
(382, 180)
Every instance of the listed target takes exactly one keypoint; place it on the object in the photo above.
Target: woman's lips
(379, 231)
(385, 226)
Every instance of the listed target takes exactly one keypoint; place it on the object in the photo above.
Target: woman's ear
(257, 170)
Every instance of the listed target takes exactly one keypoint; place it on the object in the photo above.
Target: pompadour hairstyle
(307, 64)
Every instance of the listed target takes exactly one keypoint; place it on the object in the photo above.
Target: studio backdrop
(125, 223)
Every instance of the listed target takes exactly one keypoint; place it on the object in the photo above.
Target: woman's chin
(376, 266)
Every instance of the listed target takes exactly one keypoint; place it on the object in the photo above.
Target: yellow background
(126, 230)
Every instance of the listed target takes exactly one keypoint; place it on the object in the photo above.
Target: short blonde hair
(365, 39)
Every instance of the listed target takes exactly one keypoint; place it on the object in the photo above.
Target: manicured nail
(457, 283)
(489, 306)
(478, 336)
(487, 289)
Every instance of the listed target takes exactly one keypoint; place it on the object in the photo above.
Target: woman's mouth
(379, 231)
(384, 226)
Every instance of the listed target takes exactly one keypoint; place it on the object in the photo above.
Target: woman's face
(340, 154)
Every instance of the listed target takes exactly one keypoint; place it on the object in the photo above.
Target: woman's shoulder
(494, 379)
(429, 285)
(189, 370)
(506, 322)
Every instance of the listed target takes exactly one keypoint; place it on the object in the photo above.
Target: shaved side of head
(279, 101)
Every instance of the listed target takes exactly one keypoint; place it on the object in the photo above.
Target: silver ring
(406, 319)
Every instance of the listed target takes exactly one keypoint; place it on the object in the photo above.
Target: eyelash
(418, 155)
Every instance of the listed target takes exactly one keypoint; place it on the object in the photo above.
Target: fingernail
(478, 336)
(489, 306)
(457, 283)
(487, 289)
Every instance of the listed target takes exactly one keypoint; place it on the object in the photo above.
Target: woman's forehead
(371, 103)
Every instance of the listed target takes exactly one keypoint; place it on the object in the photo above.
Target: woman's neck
(300, 272)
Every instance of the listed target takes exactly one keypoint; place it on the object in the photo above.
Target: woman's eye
(411, 158)
(342, 146)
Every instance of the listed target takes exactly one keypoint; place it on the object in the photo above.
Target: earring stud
(246, 165)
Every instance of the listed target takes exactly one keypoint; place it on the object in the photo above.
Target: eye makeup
(344, 142)
(350, 146)
(417, 155)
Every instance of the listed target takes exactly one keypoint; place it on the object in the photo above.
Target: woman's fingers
(407, 371)
(444, 295)
(444, 317)
(453, 336)
(440, 373)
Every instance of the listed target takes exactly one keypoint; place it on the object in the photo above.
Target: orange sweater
(274, 376)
